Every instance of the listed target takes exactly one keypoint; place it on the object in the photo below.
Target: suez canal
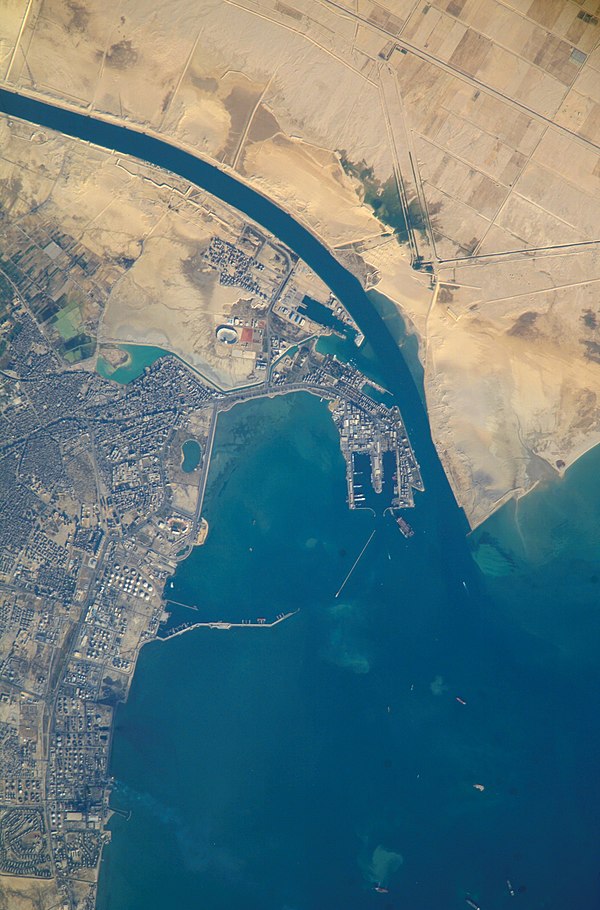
(431, 605)
(437, 506)
(233, 191)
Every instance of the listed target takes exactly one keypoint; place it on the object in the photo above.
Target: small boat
(380, 889)
(460, 700)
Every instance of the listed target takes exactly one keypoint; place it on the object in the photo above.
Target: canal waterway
(294, 768)
(247, 200)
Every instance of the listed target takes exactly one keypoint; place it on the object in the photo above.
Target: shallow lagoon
(191, 453)
(140, 356)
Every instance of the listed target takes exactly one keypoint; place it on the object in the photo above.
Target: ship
(511, 890)
(380, 889)
(472, 903)
(460, 700)
(405, 528)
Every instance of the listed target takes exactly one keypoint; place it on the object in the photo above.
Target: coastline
(354, 679)
(447, 422)
(137, 127)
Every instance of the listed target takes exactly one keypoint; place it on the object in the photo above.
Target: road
(205, 466)
(465, 77)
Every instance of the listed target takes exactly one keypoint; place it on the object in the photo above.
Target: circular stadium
(226, 334)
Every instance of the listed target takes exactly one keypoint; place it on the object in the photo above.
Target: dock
(222, 624)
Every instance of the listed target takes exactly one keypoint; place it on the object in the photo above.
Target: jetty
(224, 625)
(356, 562)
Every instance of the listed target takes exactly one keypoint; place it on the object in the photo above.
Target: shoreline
(94, 114)
(223, 625)
(110, 120)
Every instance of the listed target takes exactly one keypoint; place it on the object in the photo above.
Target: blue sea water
(296, 767)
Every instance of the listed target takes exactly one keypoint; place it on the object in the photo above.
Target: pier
(222, 624)
(356, 562)
(177, 603)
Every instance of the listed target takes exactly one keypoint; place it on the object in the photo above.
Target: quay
(221, 624)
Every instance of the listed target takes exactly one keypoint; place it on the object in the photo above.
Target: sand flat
(280, 90)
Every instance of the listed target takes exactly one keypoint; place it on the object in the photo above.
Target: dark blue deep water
(293, 768)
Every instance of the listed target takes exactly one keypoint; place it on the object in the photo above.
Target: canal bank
(299, 766)
(260, 209)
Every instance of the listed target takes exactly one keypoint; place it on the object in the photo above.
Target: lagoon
(139, 356)
(191, 453)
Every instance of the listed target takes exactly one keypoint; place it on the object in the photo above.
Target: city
(97, 513)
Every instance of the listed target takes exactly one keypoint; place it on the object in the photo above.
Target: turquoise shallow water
(140, 357)
(294, 767)
(541, 559)
(261, 772)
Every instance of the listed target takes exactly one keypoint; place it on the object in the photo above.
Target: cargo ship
(405, 528)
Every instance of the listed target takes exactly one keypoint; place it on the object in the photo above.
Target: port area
(378, 452)
(165, 633)
(381, 469)
(382, 472)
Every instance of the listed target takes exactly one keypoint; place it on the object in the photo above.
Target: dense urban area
(98, 510)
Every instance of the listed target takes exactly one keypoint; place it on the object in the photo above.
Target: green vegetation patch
(78, 348)
(67, 323)
(64, 316)
(73, 343)
(6, 295)
(9, 329)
